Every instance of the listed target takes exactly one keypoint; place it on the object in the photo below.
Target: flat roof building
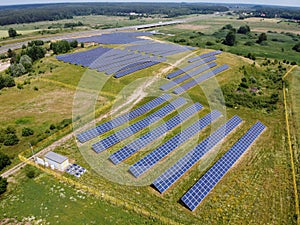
(58, 161)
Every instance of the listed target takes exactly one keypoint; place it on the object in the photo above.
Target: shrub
(297, 47)
(3, 185)
(30, 174)
(52, 127)
(26, 131)
(11, 139)
(6, 81)
(4, 161)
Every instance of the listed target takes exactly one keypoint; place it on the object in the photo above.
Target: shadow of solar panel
(190, 67)
(209, 180)
(205, 56)
(170, 176)
(187, 76)
(151, 136)
(134, 128)
(200, 79)
(162, 151)
(96, 131)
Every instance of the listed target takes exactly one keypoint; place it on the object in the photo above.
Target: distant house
(57, 161)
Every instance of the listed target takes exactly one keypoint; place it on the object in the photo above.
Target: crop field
(257, 189)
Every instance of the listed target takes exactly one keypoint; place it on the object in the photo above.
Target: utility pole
(32, 150)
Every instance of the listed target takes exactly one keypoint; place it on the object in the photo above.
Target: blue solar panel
(170, 176)
(114, 38)
(156, 48)
(187, 76)
(190, 67)
(134, 69)
(200, 79)
(210, 179)
(83, 58)
(162, 151)
(134, 128)
(205, 56)
(151, 136)
(94, 132)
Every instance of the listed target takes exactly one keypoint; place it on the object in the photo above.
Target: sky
(265, 2)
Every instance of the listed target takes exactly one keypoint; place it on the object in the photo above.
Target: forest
(43, 12)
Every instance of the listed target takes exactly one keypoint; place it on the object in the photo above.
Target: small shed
(58, 161)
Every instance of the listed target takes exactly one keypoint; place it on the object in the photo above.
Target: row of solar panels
(120, 120)
(166, 148)
(140, 66)
(209, 180)
(114, 38)
(197, 193)
(187, 76)
(162, 49)
(111, 61)
(205, 56)
(175, 172)
(134, 128)
(190, 67)
(154, 134)
(192, 83)
(194, 71)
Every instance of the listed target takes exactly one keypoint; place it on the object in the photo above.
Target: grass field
(257, 190)
(44, 200)
(294, 116)
(246, 192)
(51, 103)
(282, 36)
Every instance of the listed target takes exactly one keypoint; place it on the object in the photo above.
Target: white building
(58, 161)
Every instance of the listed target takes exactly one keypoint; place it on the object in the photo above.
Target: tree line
(35, 13)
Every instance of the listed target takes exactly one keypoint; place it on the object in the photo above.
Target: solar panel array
(200, 79)
(159, 153)
(96, 131)
(112, 61)
(161, 49)
(210, 179)
(170, 176)
(187, 76)
(142, 54)
(133, 69)
(151, 136)
(134, 128)
(190, 67)
(205, 56)
(84, 58)
(114, 38)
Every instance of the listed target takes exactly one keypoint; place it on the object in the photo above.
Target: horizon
(288, 3)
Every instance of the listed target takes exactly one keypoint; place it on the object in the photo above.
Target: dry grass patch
(192, 27)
